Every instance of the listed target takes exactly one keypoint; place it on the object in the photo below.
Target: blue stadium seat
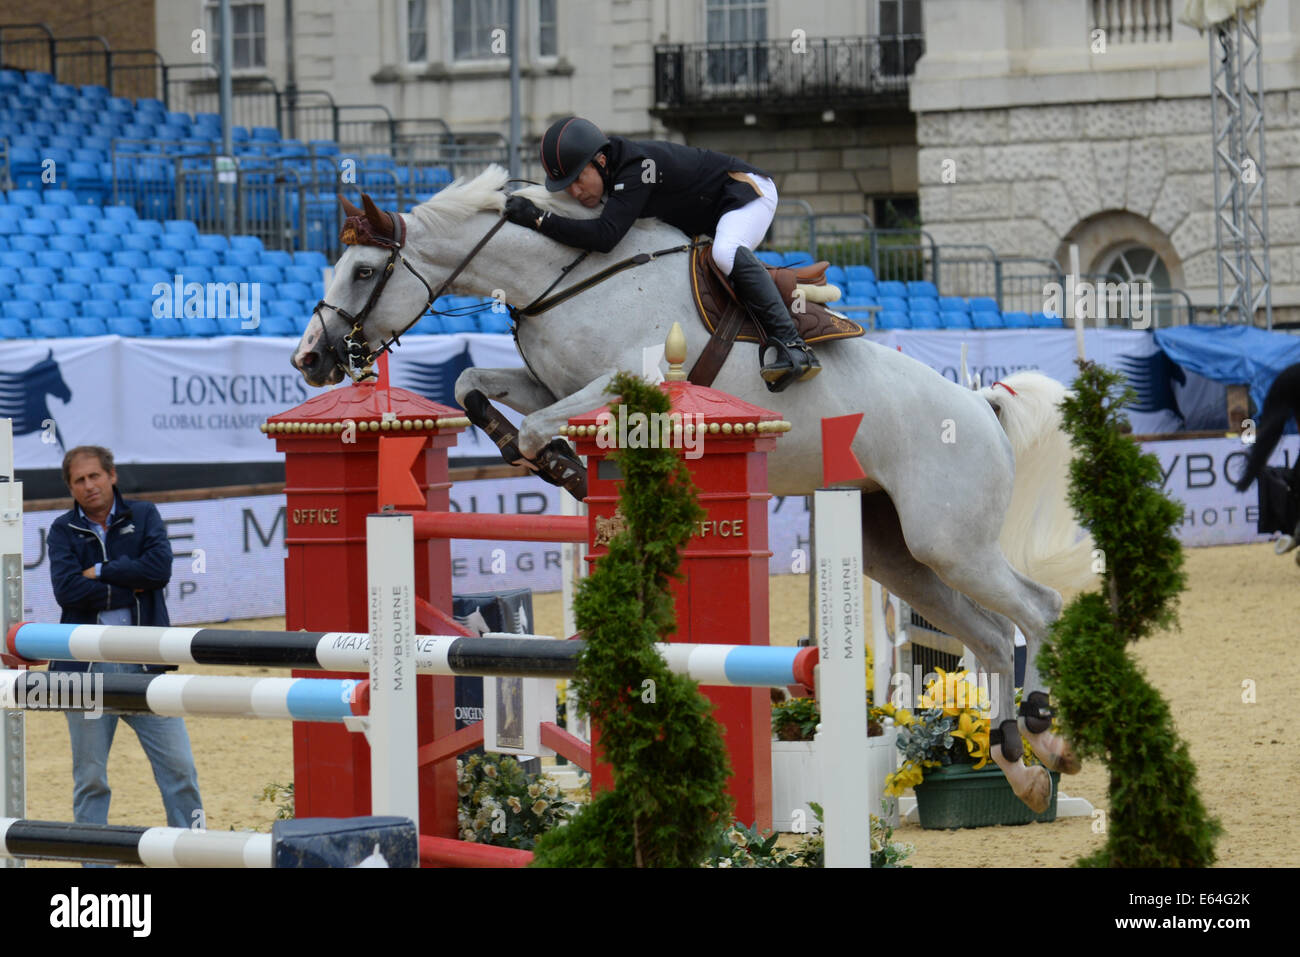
(986, 319)
(138, 289)
(922, 304)
(118, 275)
(246, 242)
(107, 291)
(282, 307)
(154, 274)
(119, 326)
(203, 257)
(311, 258)
(28, 244)
(170, 259)
(926, 320)
(88, 326)
(182, 227)
(120, 212)
(53, 214)
(46, 328)
(893, 320)
(276, 326)
(200, 274)
(893, 304)
(17, 259)
(52, 259)
(1017, 320)
(105, 243)
(15, 213)
(60, 309)
(293, 290)
(13, 328)
(863, 288)
(68, 244)
(835, 276)
(953, 304)
(9, 275)
(89, 183)
(918, 289)
(111, 227)
(983, 304)
(41, 275)
(770, 258)
(265, 274)
(1043, 320)
(20, 309)
(799, 257)
(952, 319)
(892, 289)
(133, 258)
(277, 257)
(859, 274)
(67, 226)
(81, 274)
(59, 197)
(87, 214)
(212, 242)
(207, 327)
(148, 227)
(141, 241)
(246, 258)
(177, 241)
(494, 322)
(38, 226)
(24, 197)
(308, 275)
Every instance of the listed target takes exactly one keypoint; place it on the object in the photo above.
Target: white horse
(964, 500)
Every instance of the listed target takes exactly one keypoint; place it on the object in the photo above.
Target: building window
(901, 41)
(417, 31)
(546, 28)
(472, 24)
(740, 22)
(248, 23)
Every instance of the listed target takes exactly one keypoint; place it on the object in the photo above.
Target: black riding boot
(793, 361)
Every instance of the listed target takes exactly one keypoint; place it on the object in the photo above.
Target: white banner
(201, 400)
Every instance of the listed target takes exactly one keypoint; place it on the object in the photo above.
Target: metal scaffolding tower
(1240, 176)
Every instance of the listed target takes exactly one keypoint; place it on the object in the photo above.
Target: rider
(696, 190)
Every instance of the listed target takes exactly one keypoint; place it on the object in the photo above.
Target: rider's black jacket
(684, 186)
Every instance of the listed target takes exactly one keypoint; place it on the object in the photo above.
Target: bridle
(353, 355)
(350, 351)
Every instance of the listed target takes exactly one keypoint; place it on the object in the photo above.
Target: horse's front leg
(553, 460)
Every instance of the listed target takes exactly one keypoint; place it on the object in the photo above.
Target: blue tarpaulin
(1232, 355)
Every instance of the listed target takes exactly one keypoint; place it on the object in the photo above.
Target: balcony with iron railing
(785, 76)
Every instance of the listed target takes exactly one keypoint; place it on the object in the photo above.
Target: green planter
(959, 796)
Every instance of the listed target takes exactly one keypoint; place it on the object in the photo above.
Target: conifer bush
(670, 764)
(1106, 705)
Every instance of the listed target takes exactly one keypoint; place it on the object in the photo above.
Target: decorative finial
(675, 353)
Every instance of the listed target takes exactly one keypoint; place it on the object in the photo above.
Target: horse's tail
(1282, 402)
(1040, 535)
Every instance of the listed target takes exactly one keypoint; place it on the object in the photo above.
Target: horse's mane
(485, 193)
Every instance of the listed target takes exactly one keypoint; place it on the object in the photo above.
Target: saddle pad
(712, 294)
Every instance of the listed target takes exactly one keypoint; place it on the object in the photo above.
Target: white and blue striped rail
(147, 846)
(492, 655)
(298, 699)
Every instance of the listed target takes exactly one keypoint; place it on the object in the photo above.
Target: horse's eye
(365, 272)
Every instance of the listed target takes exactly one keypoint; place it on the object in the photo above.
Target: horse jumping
(964, 510)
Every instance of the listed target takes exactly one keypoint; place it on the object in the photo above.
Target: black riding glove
(523, 212)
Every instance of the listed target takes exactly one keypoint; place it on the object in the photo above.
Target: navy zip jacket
(135, 555)
(684, 186)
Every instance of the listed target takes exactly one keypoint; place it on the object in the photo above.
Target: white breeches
(745, 226)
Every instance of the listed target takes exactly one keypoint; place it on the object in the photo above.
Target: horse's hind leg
(887, 559)
(975, 566)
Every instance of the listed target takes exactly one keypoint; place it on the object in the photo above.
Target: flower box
(796, 779)
(959, 796)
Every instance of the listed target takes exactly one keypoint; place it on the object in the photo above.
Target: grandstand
(109, 197)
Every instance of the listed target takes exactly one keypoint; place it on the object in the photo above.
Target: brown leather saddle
(729, 321)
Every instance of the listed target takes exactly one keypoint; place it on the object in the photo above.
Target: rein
(356, 358)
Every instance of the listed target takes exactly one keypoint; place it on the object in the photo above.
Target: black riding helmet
(568, 146)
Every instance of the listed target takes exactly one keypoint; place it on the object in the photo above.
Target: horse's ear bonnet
(371, 227)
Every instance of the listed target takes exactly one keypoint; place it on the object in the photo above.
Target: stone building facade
(1030, 140)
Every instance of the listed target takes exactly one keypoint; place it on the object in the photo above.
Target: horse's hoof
(1036, 789)
(1056, 754)
(557, 464)
(1285, 544)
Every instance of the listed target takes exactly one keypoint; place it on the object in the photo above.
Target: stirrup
(795, 363)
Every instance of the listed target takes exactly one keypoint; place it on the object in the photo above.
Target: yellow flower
(539, 807)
